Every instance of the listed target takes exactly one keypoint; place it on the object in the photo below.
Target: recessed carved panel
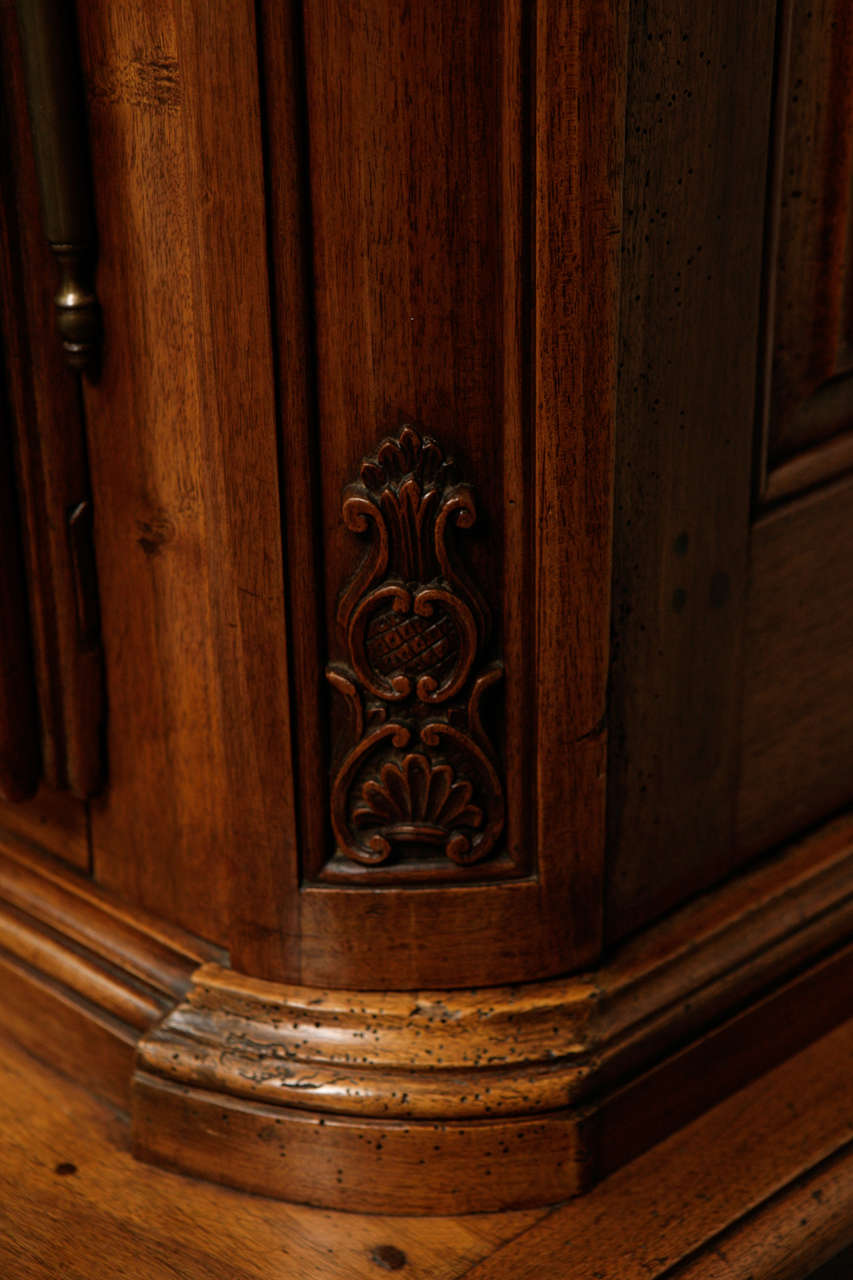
(417, 780)
(809, 396)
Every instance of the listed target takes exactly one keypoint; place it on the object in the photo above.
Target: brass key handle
(58, 120)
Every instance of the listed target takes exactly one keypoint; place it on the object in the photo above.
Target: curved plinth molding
(458, 1101)
(431, 1101)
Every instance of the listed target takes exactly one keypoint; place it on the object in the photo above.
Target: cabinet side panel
(698, 125)
(797, 727)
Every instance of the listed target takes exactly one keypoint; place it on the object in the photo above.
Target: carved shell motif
(417, 801)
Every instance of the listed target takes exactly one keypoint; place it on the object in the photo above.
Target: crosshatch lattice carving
(418, 776)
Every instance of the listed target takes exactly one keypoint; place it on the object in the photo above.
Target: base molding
(759, 1188)
(83, 976)
(426, 1102)
(496, 1098)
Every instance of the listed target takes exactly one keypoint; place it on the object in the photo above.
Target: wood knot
(154, 533)
(389, 1257)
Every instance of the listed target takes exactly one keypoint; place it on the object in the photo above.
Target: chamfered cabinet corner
(426, 621)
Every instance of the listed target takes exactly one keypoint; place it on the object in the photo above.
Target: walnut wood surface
(55, 822)
(790, 1132)
(809, 339)
(730, 704)
(760, 1188)
(797, 714)
(430, 159)
(51, 453)
(600, 1066)
(508, 1096)
(797, 718)
(417, 789)
(82, 976)
(195, 823)
(698, 121)
(20, 755)
(112, 1216)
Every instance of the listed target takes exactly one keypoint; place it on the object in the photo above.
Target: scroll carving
(418, 777)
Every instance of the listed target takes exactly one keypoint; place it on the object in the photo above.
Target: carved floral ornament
(419, 775)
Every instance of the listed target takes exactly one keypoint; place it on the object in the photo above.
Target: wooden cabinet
(468, 464)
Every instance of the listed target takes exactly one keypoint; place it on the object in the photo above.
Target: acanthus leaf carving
(419, 774)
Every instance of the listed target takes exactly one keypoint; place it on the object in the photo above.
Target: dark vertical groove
(528, 53)
(775, 153)
(310, 475)
(611, 816)
(51, 726)
(20, 753)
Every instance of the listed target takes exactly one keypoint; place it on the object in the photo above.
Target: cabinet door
(453, 175)
(732, 691)
(797, 752)
(56, 719)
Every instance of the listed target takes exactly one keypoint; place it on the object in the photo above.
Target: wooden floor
(74, 1205)
(762, 1186)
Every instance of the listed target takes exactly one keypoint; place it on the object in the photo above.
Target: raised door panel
(732, 686)
(797, 721)
(808, 397)
(446, 476)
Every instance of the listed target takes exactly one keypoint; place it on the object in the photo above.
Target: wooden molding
(434, 1102)
(430, 1101)
(807, 356)
(519, 385)
(759, 1188)
(82, 977)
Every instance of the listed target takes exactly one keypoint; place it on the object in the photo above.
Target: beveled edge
(512, 1050)
(426, 1102)
(420, 1101)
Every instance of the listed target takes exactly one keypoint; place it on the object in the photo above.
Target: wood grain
(20, 754)
(681, 1196)
(196, 823)
(774, 1149)
(581, 48)
(527, 1092)
(381, 1167)
(441, 166)
(83, 977)
(797, 718)
(52, 821)
(113, 1216)
(809, 340)
(795, 1232)
(50, 446)
(698, 120)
